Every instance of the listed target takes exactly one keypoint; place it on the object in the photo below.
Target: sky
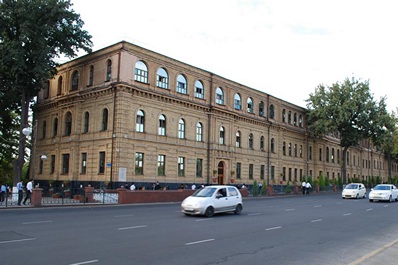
(285, 48)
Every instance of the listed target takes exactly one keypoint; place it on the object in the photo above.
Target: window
(181, 85)
(290, 174)
(237, 102)
(40, 167)
(238, 144)
(181, 129)
(332, 155)
(140, 121)
(272, 145)
(271, 111)
(222, 136)
(262, 172)
(301, 150)
(310, 153)
(108, 70)
(52, 164)
(295, 119)
(283, 115)
(83, 169)
(199, 168)
(284, 173)
(262, 143)
(290, 149)
(68, 123)
(250, 105)
(101, 164)
(251, 141)
(162, 79)
(327, 153)
(104, 125)
(59, 88)
(75, 80)
(161, 165)
(219, 96)
(338, 156)
(261, 109)
(199, 90)
(284, 148)
(43, 130)
(141, 72)
(86, 122)
(289, 117)
(162, 125)
(181, 166)
(238, 170)
(139, 163)
(91, 76)
(272, 172)
(251, 169)
(199, 132)
(320, 154)
(55, 127)
(301, 121)
(295, 150)
(65, 163)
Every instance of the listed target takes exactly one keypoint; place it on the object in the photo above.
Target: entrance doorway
(220, 173)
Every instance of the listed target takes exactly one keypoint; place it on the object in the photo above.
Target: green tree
(347, 111)
(33, 34)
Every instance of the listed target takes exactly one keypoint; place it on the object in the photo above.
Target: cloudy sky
(282, 47)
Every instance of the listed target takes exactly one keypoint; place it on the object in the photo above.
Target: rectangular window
(251, 169)
(301, 174)
(295, 174)
(199, 92)
(199, 167)
(181, 88)
(41, 167)
(181, 166)
(320, 154)
(310, 153)
(139, 163)
(238, 170)
(161, 165)
(52, 164)
(101, 165)
(84, 163)
(162, 82)
(272, 172)
(262, 172)
(65, 163)
(284, 173)
(290, 174)
(141, 75)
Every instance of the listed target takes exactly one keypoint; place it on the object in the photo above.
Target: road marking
(346, 214)
(373, 253)
(273, 228)
(252, 214)
(38, 222)
(17, 240)
(131, 227)
(370, 209)
(85, 262)
(287, 210)
(127, 215)
(199, 242)
(206, 219)
(317, 206)
(317, 220)
(386, 205)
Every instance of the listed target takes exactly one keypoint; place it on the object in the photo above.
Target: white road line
(287, 210)
(317, 220)
(346, 214)
(386, 205)
(131, 227)
(199, 242)
(370, 209)
(127, 215)
(205, 219)
(317, 206)
(273, 228)
(85, 262)
(38, 222)
(18, 240)
(252, 214)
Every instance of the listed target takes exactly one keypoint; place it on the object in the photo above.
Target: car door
(362, 190)
(394, 192)
(221, 200)
(233, 197)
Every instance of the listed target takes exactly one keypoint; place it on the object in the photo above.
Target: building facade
(128, 114)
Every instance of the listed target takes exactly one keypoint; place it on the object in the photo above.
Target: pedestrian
(260, 186)
(307, 188)
(3, 192)
(193, 187)
(29, 188)
(303, 185)
(157, 186)
(20, 192)
(132, 187)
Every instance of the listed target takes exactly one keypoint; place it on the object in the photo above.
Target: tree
(346, 110)
(33, 34)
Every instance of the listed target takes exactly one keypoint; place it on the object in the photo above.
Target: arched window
(86, 122)
(199, 132)
(104, 125)
(262, 143)
(237, 102)
(219, 96)
(75, 80)
(140, 121)
(181, 85)
(108, 70)
(301, 121)
(283, 115)
(238, 139)
(250, 105)
(251, 139)
(272, 145)
(261, 111)
(295, 150)
(44, 129)
(199, 90)
(59, 88)
(327, 154)
(68, 123)
(284, 148)
(91, 76)
(289, 117)
(141, 72)
(162, 125)
(290, 149)
(338, 156)
(295, 119)
(55, 127)
(181, 129)
(162, 79)
(222, 136)
(272, 111)
(332, 155)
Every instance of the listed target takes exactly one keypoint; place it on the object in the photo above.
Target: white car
(354, 190)
(213, 199)
(384, 192)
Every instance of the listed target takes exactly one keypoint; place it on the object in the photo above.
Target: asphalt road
(315, 229)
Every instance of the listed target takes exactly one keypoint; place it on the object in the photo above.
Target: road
(315, 229)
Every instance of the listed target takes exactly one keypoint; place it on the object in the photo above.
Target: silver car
(384, 192)
(354, 190)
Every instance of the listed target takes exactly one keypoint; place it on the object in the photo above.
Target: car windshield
(205, 192)
(352, 186)
(382, 187)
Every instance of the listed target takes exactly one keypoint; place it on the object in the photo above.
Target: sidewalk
(385, 255)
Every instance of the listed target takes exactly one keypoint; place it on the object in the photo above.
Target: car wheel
(356, 197)
(390, 200)
(396, 199)
(370, 200)
(238, 209)
(364, 195)
(343, 198)
(209, 211)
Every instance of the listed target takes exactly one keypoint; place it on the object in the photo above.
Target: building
(128, 114)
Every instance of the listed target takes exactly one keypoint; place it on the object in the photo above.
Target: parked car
(213, 199)
(354, 190)
(384, 192)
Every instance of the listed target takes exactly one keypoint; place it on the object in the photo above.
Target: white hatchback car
(354, 190)
(213, 199)
(384, 192)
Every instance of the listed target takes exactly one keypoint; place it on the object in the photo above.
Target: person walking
(132, 187)
(20, 192)
(307, 188)
(303, 187)
(3, 192)
(29, 188)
